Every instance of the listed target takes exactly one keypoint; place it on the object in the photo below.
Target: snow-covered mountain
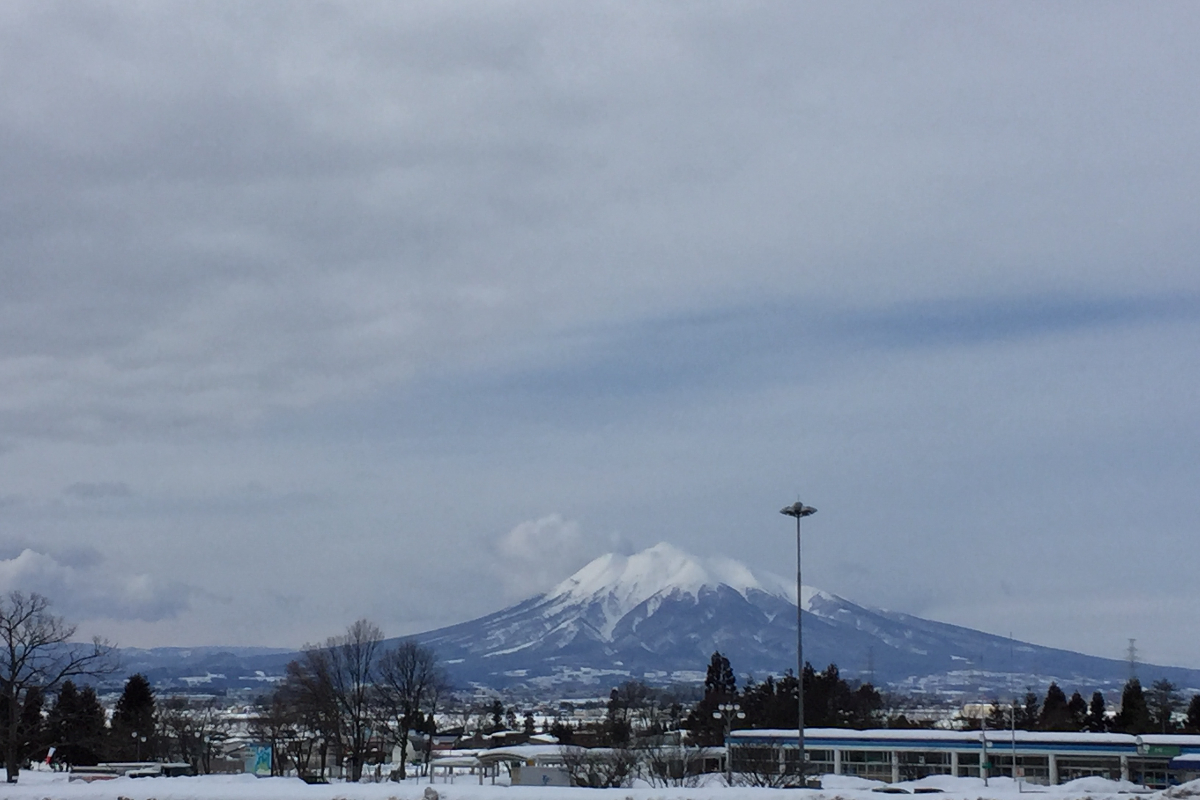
(659, 614)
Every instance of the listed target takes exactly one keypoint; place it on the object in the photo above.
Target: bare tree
(600, 767)
(438, 690)
(764, 765)
(277, 724)
(307, 696)
(346, 666)
(662, 761)
(36, 656)
(410, 683)
(191, 730)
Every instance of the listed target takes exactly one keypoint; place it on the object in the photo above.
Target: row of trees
(36, 659)
(1140, 711)
(76, 732)
(830, 701)
(643, 726)
(348, 698)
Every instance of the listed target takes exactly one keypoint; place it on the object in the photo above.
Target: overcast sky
(318, 311)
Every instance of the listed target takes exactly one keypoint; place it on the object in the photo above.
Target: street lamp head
(798, 510)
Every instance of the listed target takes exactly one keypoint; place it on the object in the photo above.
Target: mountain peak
(659, 614)
(621, 583)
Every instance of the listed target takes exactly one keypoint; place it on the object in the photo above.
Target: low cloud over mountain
(83, 585)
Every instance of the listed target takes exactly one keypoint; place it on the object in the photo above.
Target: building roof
(1119, 743)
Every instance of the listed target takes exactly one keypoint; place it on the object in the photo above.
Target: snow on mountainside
(620, 584)
(658, 615)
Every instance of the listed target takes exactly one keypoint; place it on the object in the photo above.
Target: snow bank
(847, 783)
(1189, 789)
(1098, 785)
(55, 786)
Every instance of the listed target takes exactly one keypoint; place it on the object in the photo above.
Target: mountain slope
(658, 615)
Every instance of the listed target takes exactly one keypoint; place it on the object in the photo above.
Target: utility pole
(984, 766)
(729, 712)
(799, 511)
(1014, 744)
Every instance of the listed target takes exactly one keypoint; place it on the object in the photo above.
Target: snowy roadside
(55, 786)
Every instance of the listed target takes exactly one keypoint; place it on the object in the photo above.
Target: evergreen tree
(496, 709)
(772, 703)
(617, 727)
(562, 731)
(1193, 715)
(92, 724)
(1055, 714)
(32, 729)
(1164, 701)
(832, 702)
(719, 681)
(1077, 708)
(997, 717)
(75, 726)
(63, 713)
(1026, 715)
(135, 716)
(1134, 716)
(1097, 717)
(720, 686)
(29, 731)
(60, 723)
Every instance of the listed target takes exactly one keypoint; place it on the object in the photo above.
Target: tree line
(45, 714)
(349, 699)
(341, 700)
(830, 701)
(1141, 711)
(36, 658)
(76, 731)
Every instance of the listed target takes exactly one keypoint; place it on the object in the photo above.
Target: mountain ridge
(657, 616)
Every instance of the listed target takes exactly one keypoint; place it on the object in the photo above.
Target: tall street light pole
(799, 511)
(728, 712)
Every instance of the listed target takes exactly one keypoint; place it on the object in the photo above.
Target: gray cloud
(85, 589)
(87, 490)
(299, 294)
(236, 214)
(537, 554)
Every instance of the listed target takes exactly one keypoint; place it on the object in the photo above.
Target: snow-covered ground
(55, 786)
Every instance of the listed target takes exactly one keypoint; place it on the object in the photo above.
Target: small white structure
(524, 775)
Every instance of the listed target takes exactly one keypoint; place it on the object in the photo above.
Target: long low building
(902, 755)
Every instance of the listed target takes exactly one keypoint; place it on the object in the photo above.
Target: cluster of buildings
(888, 755)
(1154, 760)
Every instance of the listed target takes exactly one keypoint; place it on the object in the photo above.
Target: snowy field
(55, 786)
